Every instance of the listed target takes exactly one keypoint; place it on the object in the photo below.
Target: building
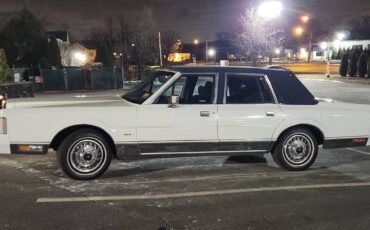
(320, 51)
(81, 56)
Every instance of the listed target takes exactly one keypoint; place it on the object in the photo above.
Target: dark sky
(192, 18)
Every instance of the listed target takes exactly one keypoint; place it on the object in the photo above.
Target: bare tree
(258, 36)
(169, 43)
(125, 38)
(144, 37)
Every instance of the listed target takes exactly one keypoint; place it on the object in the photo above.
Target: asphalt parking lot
(246, 192)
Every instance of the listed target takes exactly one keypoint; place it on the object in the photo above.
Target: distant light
(80, 56)
(196, 42)
(133, 45)
(303, 50)
(337, 43)
(211, 52)
(270, 9)
(324, 45)
(305, 18)
(341, 36)
(298, 31)
(277, 51)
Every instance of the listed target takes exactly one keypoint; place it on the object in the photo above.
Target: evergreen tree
(362, 65)
(343, 69)
(334, 54)
(339, 54)
(21, 35)
(55, 57)
(4, 69)
(353, 61)
(45, 59)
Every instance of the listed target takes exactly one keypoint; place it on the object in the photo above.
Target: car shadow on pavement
(246, 159)
(150, 166)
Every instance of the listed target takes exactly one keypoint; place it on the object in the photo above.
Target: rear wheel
(296, 150)
(84, 155)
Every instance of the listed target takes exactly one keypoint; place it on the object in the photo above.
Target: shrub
(4, 69)
(362, 64)
(343, 68)
(353, 61)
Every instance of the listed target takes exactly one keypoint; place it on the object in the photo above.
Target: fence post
(65, 79)
(115, 77)
(92, 79)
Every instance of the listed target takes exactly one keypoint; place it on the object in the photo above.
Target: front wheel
(296, 150)
(84, 155)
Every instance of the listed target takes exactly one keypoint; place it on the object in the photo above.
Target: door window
(192, 89)
(243, 89)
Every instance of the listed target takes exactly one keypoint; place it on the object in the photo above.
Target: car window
(192, 89)
(145, 89)
(247, 90)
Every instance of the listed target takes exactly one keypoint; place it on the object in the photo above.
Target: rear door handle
(205, 113)
(270, 114)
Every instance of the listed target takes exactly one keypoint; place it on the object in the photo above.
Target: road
(248, 192)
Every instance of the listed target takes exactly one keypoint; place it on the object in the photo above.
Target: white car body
(140, 127)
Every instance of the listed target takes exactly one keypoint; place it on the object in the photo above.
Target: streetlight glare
(270, 9)
(196, 41)
(305, 18)
(298, 31)
(341, 36)
(324, 45)
(211, 52)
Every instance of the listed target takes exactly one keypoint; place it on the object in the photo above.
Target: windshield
(147, 88)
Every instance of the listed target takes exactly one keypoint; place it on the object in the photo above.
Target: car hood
(80, 100)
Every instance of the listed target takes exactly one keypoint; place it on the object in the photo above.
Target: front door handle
(205, 113)
(270, 114)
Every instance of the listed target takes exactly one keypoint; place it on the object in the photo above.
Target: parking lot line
(358, 151)
(198, 194)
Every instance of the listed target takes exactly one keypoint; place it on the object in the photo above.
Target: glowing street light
(211, 52)
(196, 42)
(305, 18)
(324, 45)
(341, 36)
(298, 31)
(270, 9)
(277, 51)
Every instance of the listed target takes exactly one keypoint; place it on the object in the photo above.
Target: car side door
(249, 114)
(185, 128)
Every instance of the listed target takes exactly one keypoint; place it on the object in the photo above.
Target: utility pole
(328, 61)
(206, 51)
(160, 49)
(310, 47)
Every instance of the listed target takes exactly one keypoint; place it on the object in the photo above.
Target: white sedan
(187, 111)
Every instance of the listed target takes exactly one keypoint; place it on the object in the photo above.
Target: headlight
(3, 126)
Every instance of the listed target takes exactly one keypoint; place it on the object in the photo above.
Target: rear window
(290, 90)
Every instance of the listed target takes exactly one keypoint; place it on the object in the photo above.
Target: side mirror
(174, 101)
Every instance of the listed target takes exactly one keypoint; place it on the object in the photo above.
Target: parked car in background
(187, 111)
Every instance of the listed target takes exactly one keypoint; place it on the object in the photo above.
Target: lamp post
(299, 31)
(326, 46)
(269, 10)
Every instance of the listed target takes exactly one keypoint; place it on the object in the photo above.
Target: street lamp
(305, 18)
(196, 42)
(270, 9)
(298, 31)
(211, 52)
